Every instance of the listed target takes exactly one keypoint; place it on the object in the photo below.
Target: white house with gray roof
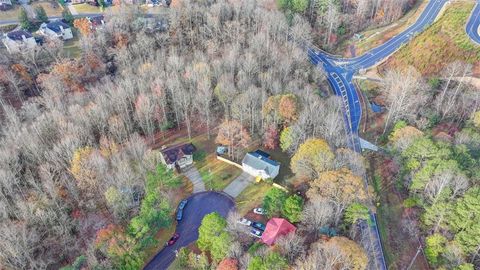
(259, 164)
(57, 29)
(19, 40)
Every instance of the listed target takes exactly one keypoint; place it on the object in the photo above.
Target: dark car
(173, 239)
(258, 225)
(182, 204)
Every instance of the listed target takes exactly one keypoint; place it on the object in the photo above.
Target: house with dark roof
(17, 41)
(57, 29)
(178, 155)
(259, 164)
(5, 5)
(97, 22)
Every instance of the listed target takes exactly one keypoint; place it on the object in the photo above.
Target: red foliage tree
(271, 138)
(228, 264)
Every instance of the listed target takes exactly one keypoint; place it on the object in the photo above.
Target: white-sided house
(178, 155)
(259, 164)
(57, 29)
(19, 40)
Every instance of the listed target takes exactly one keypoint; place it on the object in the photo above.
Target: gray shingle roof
(260, 162)
(17, 35)
(55, 26)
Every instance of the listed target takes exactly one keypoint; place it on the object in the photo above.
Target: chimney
(24, 38)
(61, 28)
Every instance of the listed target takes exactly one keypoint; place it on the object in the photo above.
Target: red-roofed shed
(276, 227)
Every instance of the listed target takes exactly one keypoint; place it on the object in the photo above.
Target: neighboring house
(5, 5)
(19, 40)
(259, 164)
(97, 22)
(178, 155)
(276, 228)
(57, 29)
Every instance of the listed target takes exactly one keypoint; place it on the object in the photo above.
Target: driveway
(239, 184)
(199, 205)
(194, 176)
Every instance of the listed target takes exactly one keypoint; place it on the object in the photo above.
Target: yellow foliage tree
(84, 175)
(476, 119)
(312, 157)
(403, 137)
(353, 256)
(341, 188)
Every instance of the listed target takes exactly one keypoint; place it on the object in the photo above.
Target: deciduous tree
(312, 158)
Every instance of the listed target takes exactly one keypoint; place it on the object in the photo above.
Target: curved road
(199, 205)
(473, 25)
(340, 71)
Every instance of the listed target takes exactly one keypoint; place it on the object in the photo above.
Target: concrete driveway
(194, 176)
(199, 205)
(239, 184)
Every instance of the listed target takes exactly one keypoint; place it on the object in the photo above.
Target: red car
(173, 239)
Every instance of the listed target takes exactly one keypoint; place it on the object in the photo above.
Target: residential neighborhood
(240, 135)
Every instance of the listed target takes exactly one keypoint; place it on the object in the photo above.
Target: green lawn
(216, 174)
(86, 8)
(52, 8)
(71, 47)
(251, 197)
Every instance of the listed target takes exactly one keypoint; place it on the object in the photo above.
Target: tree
(292, 208)
(40, 14)
(317, 214)
(292, 246)
(340, 187)
(312, 158)
(213, 237)
(232, 134)
(288, 105)
(435, 246)
(83, 25)
(405, 94)
(25, 22)
(67, 16)
(271, 138)
(274, 201)
(228, 264)
(355, 212)
(272, 260)
(336, 253)
(402, 138)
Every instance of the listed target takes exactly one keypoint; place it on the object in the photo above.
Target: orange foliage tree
(232, 134)
(83, 25)
(228, 264)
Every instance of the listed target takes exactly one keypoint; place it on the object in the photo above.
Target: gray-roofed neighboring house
(259, 164)
(57, 29)
(19, 40)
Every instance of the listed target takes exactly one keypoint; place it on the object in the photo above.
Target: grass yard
(443, 43)
(71, 47)
(11, 14)
(52, 8)
(216, 174)
(86, 8)
(251, 197)
(285, 175)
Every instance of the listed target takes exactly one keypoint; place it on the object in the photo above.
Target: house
(19, 40)
(57, 29)
(259, 164)
(5, 5)
(178, 155)
(97, 21)
(276, 227)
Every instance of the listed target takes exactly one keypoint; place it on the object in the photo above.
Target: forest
(81, 185)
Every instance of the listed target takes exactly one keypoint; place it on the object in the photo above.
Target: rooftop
(57, 25)
(260, 161)
(175, 153)
(17, 35)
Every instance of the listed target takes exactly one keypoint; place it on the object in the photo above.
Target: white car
(259, 211)
(245, 221)
(256, 233)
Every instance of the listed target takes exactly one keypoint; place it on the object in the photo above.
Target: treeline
(74, 158)
(335, 18)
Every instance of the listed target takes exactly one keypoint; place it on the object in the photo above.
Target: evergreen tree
(41, 14)
(25, 22)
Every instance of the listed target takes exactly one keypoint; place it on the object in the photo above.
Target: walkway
(194, 176)
(239, 184)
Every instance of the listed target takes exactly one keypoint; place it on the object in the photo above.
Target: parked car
(259, 211)
(256, 233)
(245, 221)
(182, 204)
(173, 239)
(258, 225)
(179, 214)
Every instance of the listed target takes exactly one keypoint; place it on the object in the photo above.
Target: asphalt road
(473, 25)
(199, 205)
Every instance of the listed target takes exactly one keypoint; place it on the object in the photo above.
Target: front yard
(252, 197)
(11, 14)
(86, 8)
(53, 9)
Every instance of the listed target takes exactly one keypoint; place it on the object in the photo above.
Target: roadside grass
(251, 197)
(376, 36)
(11, 14)
(86, 8)
(444, 42)
(71, 48)
(51, 8)
(217, 174)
